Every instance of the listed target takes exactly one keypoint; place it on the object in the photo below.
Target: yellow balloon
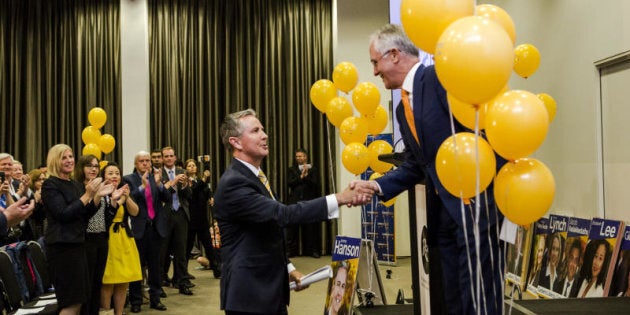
(389, 202)
(425, 20)
(353, 129)
(526, 60)
(375, 149)
(524, 190)
(322, 92)
(106, 143)
(549, 103)
(102, 164)
(474, 59)
(355, 158)
(516, 124)
(92, 148)
(345, 76)
(90, 134)
(499, 16)
(366, 97)
(466, 113)
(456, 164)
(376, 121)
(97, 117)
(337, 110)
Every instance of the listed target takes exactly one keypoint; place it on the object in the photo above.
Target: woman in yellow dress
(123, 260)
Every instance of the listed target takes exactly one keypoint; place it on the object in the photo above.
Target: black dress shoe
(159, 306)
(135, 308)
(187, 284)
(163, 294)
(315, 255)
(166, 283)
(217, 274)
(185, 290)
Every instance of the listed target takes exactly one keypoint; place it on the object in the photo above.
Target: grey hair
(232, 127)
(392, 36)
(139, 154)
(6, 155)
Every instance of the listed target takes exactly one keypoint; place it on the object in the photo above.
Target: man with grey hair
(424, 122)
(256, 272)
(149, 227)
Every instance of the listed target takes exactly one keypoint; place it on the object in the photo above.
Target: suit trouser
(176, 237)
(460, 288)
(149, 249)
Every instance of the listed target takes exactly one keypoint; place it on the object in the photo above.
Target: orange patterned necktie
(409, 114)
(265, 182)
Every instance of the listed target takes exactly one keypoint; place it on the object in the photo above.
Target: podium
(418, 271)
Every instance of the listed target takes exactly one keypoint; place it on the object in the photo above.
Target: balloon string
(477, 212)
(330, 164)
(463, 211)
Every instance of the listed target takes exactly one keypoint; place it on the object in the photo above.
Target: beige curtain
(211, 58)
(58, 59)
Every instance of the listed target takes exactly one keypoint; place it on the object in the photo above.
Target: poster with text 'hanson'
(345, 263)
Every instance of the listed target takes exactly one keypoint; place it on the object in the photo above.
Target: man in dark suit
(565, 286)
(450, 234)
(149, 227)
(176, 182)
(303, 181)
(255, 276)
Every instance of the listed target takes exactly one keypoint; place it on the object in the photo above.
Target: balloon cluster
(354, 130)
(94, 141)
(474, 53)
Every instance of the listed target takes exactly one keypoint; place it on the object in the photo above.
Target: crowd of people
(118, 231)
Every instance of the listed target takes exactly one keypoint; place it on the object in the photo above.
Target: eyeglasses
(375, 62)
(92, 166)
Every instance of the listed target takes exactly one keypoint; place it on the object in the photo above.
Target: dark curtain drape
(58, 59)
(211, 58)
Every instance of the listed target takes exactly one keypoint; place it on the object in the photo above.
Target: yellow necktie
(409, 114)
(263, 179)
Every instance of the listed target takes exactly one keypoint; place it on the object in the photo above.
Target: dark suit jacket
(433, 126)
(183, 194)
(159, 194)
(67, 216)
(254, 276)
(305, 188)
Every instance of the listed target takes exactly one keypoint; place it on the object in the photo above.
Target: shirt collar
(252, 168)
(408, 82)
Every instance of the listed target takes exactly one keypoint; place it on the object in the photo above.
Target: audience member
(200, 202)
(123, 259)
(87, 169)
(303, 181)
(149, 227)
(177, 184)
(69, 206)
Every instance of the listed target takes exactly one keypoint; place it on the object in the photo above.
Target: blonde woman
(69, 205)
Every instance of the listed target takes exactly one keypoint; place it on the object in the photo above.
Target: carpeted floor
(310, 301)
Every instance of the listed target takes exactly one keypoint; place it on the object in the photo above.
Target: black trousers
(175, 243)
(149, 249)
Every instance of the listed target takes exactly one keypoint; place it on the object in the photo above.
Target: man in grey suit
(256, 273)
(149, 227)
(178, 215)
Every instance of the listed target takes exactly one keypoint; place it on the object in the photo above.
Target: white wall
(134, 51)
(571, 35)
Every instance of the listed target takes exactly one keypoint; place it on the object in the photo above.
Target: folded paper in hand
(317, 275)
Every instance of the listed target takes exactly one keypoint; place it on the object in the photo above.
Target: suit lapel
(241, 168)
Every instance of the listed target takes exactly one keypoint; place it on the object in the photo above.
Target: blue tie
(171, 176)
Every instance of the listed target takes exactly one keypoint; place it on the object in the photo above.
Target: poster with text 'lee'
(345, 264)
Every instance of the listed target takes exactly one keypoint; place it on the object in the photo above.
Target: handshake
(358, 192)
